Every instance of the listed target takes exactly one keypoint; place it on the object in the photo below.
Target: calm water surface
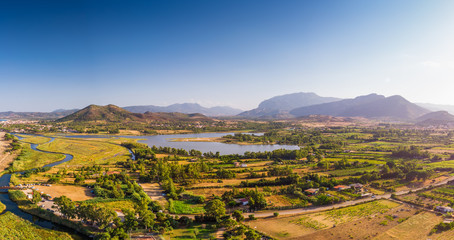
(222, 148)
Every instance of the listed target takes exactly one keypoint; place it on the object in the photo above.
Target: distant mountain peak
(187, 108)
(113, 113)
(280, 105)
(369, 106)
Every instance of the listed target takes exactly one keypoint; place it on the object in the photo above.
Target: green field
(351, 171)
(87, 152)
(29, 159)
(443, 164)
(361, 210)
(194, 232)
(14, 227)
(2, 207)
(183, 207)
(34, 139)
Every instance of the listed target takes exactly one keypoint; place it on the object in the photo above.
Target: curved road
(263, 214)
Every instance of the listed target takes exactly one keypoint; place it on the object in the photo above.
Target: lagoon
(222, 148)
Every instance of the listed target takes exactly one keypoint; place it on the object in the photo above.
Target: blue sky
(68, 54)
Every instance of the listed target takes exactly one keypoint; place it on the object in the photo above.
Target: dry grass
(416, 227)
(6, 158)
(155, 192)
(299, 226)
(277, 201)
(75, 193)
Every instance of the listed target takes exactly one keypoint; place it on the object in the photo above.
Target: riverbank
(14, 227)
(25, 205)
(6, 158)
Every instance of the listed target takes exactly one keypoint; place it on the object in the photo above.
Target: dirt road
(340, 205)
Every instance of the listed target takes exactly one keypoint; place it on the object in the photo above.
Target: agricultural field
(440, 196)
(298, 226)
(416, 227)
(14, 227)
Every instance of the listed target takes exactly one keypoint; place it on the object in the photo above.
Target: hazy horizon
(69, 54)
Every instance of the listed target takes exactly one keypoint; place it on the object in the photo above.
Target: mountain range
(369, 106)
(112, 113)
(289, 106)
(280, 106)
(36, 115)
(437, 107)
(187, 108)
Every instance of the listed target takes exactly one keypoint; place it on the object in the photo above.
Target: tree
(257, 199)
(229, 223)
(130, 222)
(147, 218)
(36, 197)
(66, 206)
(252, 235)
(215, 209)
(104, 216)
(238, 215)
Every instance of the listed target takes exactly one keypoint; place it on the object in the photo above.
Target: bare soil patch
(75, 193)
(154, 191)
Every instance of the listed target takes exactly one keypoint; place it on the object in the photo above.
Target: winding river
(154, 140)
(12, 206)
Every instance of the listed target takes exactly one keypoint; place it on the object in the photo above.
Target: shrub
(276, 214)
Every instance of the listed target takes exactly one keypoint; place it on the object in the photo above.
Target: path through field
(154, 191)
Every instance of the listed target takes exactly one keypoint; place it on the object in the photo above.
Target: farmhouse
(242, 201)
(341, 187)
(311, 191)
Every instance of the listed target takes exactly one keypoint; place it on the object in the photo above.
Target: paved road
(342, 204)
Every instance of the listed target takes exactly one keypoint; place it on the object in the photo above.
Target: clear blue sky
(71, 53)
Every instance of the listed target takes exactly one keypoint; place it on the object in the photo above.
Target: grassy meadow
(29, 159)
(87, 152)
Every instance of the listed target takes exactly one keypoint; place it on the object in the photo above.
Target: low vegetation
(14, 227)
